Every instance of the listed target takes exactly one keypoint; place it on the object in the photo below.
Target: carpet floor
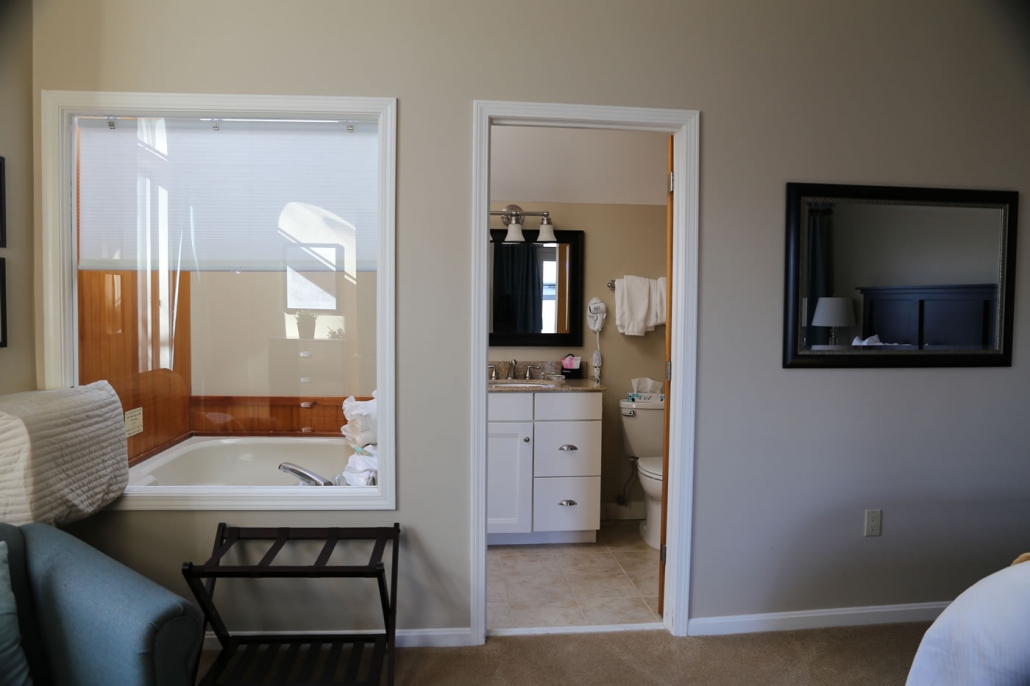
(866, 656)
(828, 657)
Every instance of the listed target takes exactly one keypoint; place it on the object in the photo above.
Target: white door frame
(684, 126)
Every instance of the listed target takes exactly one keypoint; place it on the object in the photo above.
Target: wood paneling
(267, 415)
(116, 330)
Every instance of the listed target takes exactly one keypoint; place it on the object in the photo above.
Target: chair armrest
(103, 623)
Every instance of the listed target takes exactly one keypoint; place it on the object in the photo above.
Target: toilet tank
(643, 427)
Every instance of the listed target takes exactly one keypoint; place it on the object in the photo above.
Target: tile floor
(612, 581)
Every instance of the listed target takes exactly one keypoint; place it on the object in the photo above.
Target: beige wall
(913, 93)
(18, 359)
(238, 323)
(619, 240)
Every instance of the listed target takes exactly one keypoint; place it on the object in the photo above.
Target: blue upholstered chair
(85, 619)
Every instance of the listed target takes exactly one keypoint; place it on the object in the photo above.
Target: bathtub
(222, 473)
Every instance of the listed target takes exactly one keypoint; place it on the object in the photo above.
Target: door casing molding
(684, 125)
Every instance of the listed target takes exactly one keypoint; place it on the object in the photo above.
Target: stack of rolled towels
(360, 431)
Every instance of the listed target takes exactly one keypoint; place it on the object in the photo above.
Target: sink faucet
(306, 476)
(529, 368)
(511, 369)
(493, 372)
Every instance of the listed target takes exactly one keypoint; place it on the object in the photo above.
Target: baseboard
(592, 629)
(815, 619)
(542, 537)
(406, 638)
(637, 509)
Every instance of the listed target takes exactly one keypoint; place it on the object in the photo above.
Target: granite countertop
(569, 386)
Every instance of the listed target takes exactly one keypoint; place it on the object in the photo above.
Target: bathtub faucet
(306, 476)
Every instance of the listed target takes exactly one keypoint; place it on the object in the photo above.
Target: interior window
(226, 270)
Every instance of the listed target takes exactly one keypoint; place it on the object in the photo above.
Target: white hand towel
(631, 304)
(656, 303)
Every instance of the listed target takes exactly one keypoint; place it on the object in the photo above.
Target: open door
(668, 390)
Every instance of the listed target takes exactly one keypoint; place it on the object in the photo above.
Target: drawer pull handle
(567, 503)
(567, 447)
(307, 404)
(525, 439)
(629, 413)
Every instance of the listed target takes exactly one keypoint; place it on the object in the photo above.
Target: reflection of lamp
(512, 216)
(834, 312)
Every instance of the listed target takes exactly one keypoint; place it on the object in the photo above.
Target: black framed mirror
(891, 276)
(536, 290)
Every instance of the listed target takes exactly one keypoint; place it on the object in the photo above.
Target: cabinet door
(509, 478)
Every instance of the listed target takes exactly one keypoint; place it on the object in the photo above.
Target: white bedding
(63, 453)
(981, 638)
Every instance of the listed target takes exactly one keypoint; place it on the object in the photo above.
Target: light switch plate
(134, 422)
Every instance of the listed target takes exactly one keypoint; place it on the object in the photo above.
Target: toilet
(643, 431)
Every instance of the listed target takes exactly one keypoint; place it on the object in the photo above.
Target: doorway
(684, 126)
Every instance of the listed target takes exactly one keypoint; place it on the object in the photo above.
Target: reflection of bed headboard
(932, 317)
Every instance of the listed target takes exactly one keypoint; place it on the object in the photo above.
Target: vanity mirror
(536, 296)
(887, 276)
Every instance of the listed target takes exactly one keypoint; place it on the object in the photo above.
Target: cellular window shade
(238, 196)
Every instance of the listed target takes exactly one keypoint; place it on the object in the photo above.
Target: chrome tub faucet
(306, 476)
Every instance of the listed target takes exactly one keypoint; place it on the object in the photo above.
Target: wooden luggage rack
(261, 658)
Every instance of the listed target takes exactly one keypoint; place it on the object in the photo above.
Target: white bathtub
(220, 473)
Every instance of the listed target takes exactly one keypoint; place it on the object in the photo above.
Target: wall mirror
(536, 290)
(886, 276)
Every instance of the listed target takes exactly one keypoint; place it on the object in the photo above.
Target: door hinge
(668, 370)
(662, 553)
(672, 177)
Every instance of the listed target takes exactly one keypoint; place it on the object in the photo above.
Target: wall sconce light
(512, 216)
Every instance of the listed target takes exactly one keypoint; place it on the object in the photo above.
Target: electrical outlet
(134, 422)
(873, 519)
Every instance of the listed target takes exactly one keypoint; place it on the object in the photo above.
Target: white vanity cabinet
(567, 462)
(544, 465)
(509, 463)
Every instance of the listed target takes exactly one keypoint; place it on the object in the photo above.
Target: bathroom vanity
(544, 463)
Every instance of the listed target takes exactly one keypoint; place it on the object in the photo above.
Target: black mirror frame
(574, 338)
(867, 359)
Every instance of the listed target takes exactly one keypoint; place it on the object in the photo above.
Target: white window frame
(58, 109)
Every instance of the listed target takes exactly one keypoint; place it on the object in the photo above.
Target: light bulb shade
(834, 312)
(546, 233)
(514, 234)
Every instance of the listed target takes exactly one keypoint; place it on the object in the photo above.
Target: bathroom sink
(522, 384)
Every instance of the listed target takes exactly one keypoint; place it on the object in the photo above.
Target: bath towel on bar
(639, 304)
(632, 294)
(63, 453)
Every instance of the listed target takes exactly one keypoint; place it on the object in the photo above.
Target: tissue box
(646, 397)
(572, 373)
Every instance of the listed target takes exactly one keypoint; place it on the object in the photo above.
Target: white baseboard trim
(601, 628)
(815, 619)
(406, 638)
(542, 537)
(636, 509)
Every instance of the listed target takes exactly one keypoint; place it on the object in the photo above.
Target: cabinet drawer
(582, 449)
(556, 406)
(509, 407)
(550, 515)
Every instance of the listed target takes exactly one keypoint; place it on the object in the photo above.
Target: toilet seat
(650, 466)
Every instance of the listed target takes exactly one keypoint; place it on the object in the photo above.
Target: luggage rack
(256, 658)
